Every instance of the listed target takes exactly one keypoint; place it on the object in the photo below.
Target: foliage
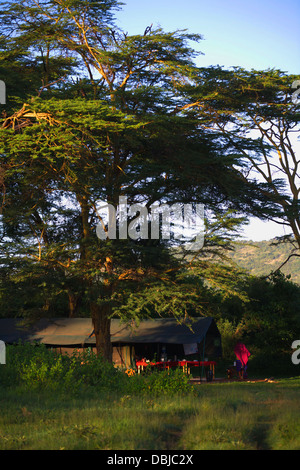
(260, 258)
(255, 117)
(169, 383)
(268, 321)
(108, 114)
(61, 153)
(36, 367)
(159, 383)
(229, 338)
(271, 321)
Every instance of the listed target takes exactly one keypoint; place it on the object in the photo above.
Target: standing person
(242, 356)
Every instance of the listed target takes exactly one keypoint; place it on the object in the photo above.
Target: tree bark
(101, 323)
(84, 206)
(74, 303)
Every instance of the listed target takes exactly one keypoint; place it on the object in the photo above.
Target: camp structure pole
(203, 354)
(212, 367)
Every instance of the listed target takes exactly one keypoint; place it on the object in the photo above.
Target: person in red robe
(242, 355)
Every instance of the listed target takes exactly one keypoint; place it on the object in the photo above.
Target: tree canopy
(255, 116)
(97, 115)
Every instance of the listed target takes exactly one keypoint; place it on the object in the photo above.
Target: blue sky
(256, 34)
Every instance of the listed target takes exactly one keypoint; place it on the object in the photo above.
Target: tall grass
(245, 416)
(238, 416)
(158, 412)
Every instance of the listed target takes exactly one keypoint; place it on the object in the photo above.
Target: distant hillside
(260, 258)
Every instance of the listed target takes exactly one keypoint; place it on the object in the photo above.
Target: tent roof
(162, 330)
(78, 331)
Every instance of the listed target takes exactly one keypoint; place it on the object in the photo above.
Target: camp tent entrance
(155, 338)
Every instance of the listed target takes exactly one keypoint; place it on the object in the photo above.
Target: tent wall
(124, 356)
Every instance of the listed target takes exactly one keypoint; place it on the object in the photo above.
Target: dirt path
(197, 380)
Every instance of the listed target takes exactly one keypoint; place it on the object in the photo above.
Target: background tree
(253, 114)
(268, 322)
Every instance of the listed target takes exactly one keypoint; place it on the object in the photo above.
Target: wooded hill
(260, 258)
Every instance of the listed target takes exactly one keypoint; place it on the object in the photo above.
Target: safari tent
(149, 339)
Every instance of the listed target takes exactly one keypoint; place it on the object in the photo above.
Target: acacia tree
(254, 115)
(122, 128)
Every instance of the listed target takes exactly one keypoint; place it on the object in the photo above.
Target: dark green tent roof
(54, 331)
(163, 330)
(78, 331)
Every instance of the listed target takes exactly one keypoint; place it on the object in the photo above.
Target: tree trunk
(83, 201)
(101, 323)
(74, 303)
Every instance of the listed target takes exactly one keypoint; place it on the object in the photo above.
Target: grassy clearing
(81, 403)
(245, 416)
(216, 416)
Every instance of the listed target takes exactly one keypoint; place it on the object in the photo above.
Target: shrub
(229, 338)
(38, 368)
(92, 370)
(168, 383)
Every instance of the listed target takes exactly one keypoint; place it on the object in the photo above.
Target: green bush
(169, 383)
(275, 365)
(229, 337)
(157, 383)
(36, 367)
(92, 370)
